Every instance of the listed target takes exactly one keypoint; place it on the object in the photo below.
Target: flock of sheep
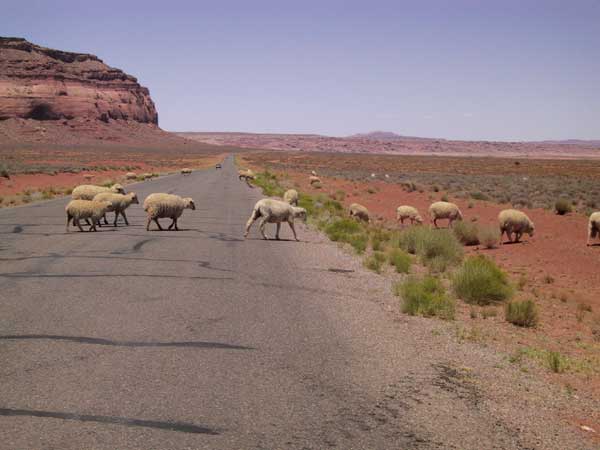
(91, 204)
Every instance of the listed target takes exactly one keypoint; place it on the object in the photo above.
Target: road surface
(199, 339)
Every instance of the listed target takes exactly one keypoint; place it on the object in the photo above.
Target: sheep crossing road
(199, 339)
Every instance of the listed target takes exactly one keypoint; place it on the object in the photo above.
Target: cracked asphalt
(199, 339)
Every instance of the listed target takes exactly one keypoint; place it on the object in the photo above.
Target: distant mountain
(385, 136)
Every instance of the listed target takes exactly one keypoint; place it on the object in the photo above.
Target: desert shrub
(478, 195)
(339, 195)
(379, 237)
(268, 182)
(371, 190)
(444, 198)
(375, 261)
(467, 233)
(400, 260)
(42, 111)
(409, 186)
(348, 231)
(425, 297)
(317, 185)
(489, 236)
(4, 172)
(521, 313)
(562, 206)
(437, 249)
(556, 362)
(107, 183)
(479, 281)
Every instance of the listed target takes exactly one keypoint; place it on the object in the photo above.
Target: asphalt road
(199, 339)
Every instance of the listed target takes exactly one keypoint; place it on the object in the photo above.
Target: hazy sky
(456, 69)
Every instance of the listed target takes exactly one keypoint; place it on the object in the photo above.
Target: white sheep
(130, 176)
(89, 191)
(408, 212)
(119, 203)
(313, 173)
(359, 212)
(186, 171)
(291, 197)
(513, 221)
(159, 206)
(444, 210)
(86, 209)
(593, 227)
(246, 175)
(274, 211)
(314, 179)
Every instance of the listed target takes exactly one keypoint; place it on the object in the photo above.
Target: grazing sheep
(88, 177)
(313, 173)
(511, 220)
(130, 176)
(89, 191)
(593, 227)
(245, 175)
(444, 210)
(408, 212)
(359, 212)
(274, 211)
(119, 203)
(147, 176)
(186, 171)
(159, 206)
(373, 175)
(313, 179)
(86, 209)
(291, 197)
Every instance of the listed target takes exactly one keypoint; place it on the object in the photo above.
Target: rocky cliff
(45, 84)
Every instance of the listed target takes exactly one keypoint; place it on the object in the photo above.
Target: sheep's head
(118, 188)
(418, 219)
(189, 203)
(299, 213)
(459, 215)
(134, 198)
(530, 228)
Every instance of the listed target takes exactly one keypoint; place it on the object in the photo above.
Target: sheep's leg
(116, 218)
(78, 224)
(158, 224)
(148, 220)
(105, 220)
(93, 226)
(278, 228)
(174, 224)
(69, 217)
(435, 223)
(518, 236)
(255, 215)
(293, 230)
(263, 222)
(125, 218)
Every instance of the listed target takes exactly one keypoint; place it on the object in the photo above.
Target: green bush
(562, 206)
(466, 232)
(400, 260)
(489, 236)
(479, 281)
(437, 249)
(425, 297)
(375, 261)
(522, 313)
(268, 182)
(556, 362)
(348, 231)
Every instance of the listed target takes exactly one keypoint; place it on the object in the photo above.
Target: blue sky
(497, 70)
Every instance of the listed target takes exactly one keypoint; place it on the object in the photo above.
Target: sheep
(86, 209)
(119, 203)
(408, 212)
(88, 177)
(313, 173)
(511, 220)
(274, 211)
(130, 176)
(160, 205)
(291, 197)
(186, 171)
(89, 191)
(147, 176)
(245, 175)
(359, 212)
(444, 210)
(314, 179)
(593, 227)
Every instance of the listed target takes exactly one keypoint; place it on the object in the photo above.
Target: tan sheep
(593, 227)
(119, 203)
(291, 197)
(313, 173)
(246, 175)
(130, 176)
(408, 212)
(513, 221)
(359, 212)
(86, 209)
(314, 179)
(160, 205)
(186, 171)
(274, 211)
(444, 210)
(89, 191)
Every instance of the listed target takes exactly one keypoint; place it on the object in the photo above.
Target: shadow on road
(183, 427)
(100, 341)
